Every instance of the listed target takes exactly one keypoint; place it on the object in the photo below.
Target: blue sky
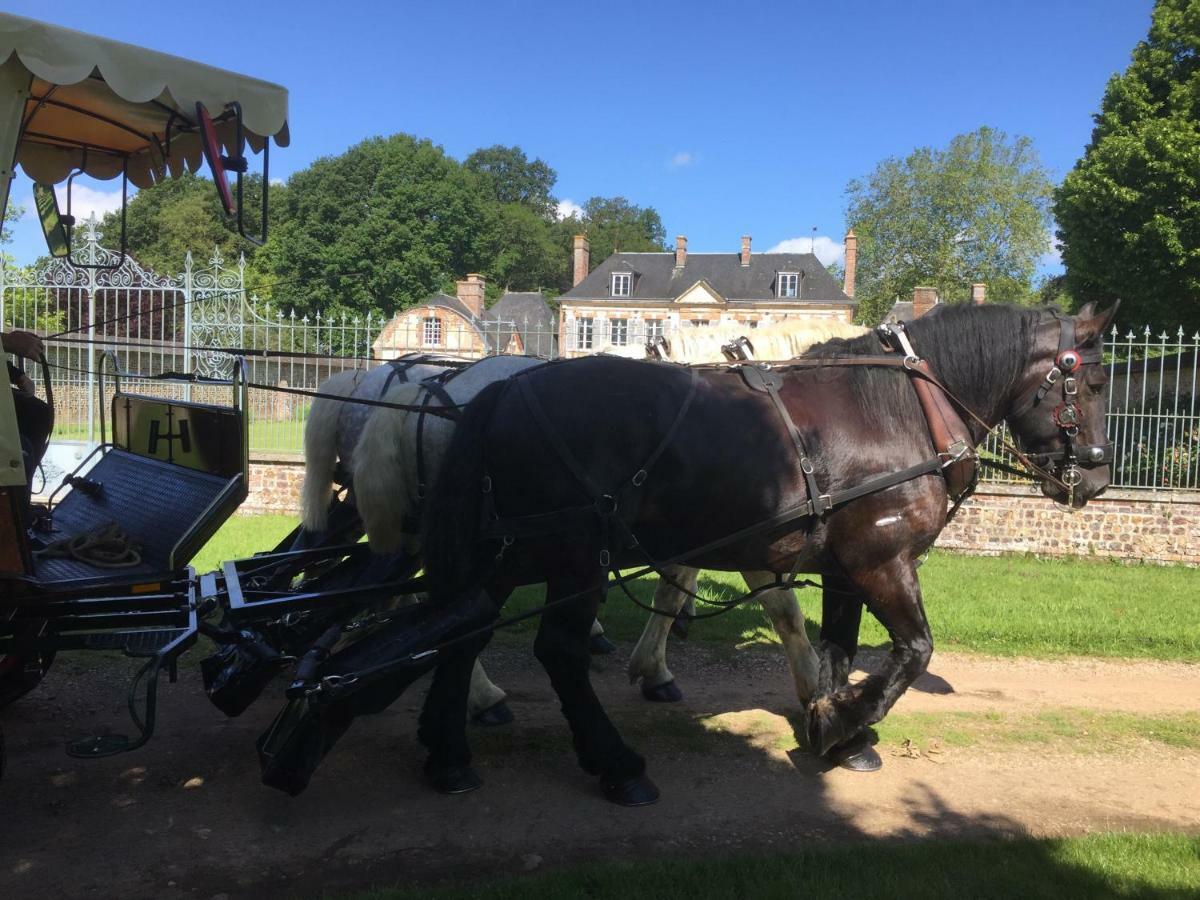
(730, 119)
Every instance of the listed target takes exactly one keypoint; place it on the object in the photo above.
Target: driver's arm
(23, 343)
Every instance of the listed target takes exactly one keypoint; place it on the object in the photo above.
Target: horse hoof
(662, 693)
(599, 645)
(825, 730)
(496, 714)
(680, 627)
(637, 791)
(453, 780)
(857, 756)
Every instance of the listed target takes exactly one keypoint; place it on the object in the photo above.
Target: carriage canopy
(93, 103)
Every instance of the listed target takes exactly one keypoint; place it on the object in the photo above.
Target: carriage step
(134, 643)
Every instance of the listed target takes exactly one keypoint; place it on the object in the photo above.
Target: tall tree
(976, 210)
(611, 224)
(378, 228)
(1129, 212)
(509, 176)
(165, 221)
(520, 250)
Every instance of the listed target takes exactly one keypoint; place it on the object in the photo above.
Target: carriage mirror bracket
(219, 163)
(68, 220)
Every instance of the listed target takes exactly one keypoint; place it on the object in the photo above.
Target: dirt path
(142, 825)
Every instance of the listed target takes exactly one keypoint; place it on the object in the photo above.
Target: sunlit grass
(1009, 605)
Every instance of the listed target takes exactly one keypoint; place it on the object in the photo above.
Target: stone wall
(274, 486)
(1159, 527)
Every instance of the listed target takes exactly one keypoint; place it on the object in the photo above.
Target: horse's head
(1057, 413)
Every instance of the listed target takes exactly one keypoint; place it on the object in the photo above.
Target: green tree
(25, 309)
(376, 229)
(1129, 212)
(977, 210)
(611, 224)
(12, 214)
(164, 222)
(520, 250)
(509, 176)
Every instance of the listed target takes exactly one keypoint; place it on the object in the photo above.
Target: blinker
(1068, 361)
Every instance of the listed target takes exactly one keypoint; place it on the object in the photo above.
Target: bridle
(1061, 383)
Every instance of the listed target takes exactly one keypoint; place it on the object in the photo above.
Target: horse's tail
(385, 474)
(320, 450)
(456, 505)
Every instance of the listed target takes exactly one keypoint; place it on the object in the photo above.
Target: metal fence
(1152, 416)
(181, 323)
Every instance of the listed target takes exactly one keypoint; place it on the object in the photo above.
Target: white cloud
(681, 159)
(277, 181)
(568, 208)
(87, 201)
(826, 248)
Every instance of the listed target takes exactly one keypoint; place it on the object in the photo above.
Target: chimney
(680, 251)
(924, 299)
(978, 294)
(470, 293)
(581, 254)
(745, 250)
(851, 263)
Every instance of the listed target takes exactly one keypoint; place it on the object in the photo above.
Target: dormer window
(787, 284)
(622, 284)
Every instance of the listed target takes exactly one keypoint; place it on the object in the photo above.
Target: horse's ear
(1092, 325)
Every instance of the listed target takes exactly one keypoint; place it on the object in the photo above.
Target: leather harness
(955, 458)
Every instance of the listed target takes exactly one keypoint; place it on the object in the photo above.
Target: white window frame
(625, 280)
(585, 332)
(792, 281)
(426, 330)
(618, 332)
(655, 328)
(700, 323)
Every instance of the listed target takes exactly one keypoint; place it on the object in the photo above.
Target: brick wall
(1144, 525)
(1141, 525)
(274, 486)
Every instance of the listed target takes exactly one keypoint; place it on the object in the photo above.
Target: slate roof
(901, 311)
(656, 278)
(530, 316)
(525, 312)
(451, 303)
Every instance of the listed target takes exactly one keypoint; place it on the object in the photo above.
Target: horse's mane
(977, 351)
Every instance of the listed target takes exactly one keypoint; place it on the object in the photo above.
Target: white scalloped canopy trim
(135, 87)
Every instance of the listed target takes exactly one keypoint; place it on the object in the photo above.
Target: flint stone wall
(1162, 527)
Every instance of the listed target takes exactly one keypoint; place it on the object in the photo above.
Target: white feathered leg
(649, 660)
(783, 609)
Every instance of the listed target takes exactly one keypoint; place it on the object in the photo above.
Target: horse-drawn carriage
(104, 565)
(854, 449)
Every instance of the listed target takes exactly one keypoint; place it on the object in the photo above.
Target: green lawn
(286, 436)
(1095, 867)
(1010, 605)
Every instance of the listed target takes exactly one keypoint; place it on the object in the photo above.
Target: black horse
(564, 473)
